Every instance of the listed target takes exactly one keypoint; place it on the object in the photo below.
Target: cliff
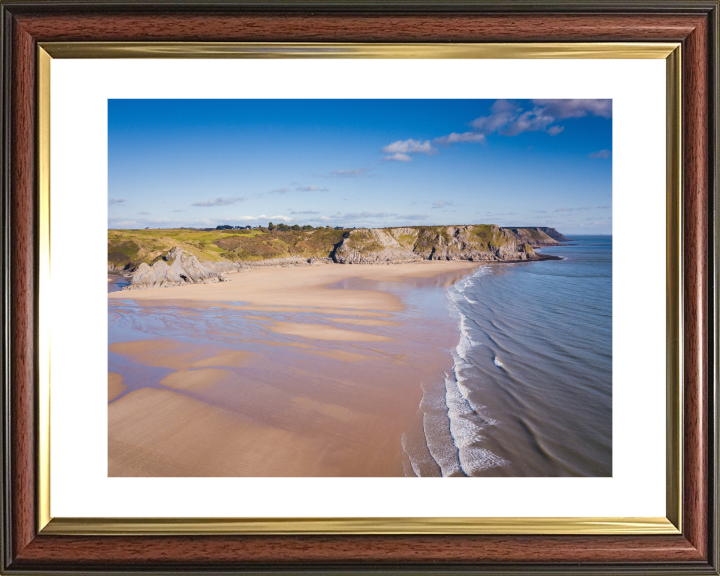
(158, 258)
(485, 242)
(538, 236)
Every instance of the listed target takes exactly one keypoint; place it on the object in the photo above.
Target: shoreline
(349, 346)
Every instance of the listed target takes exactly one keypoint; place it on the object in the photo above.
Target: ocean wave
(451, 424)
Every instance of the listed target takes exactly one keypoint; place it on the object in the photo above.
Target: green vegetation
(130, 248)
(429, 237)
(364, 242)
(531, 233)
(487, 237)
(407, 240)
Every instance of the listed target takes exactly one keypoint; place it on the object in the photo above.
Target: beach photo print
(359, 288)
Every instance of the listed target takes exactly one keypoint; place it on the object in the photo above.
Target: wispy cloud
(296, 212)
(602, 207)
(255, 218)
(220, 201)
(454, 138)
(280, 191)
(401, 149)
(576, 108)
(116, 201)
(349, 173)
(140, 222)
(310, 189)
(177, 210)
(506, 118)
(144, 213)
(509, 119)
(441, 204)
(370, 218)
(600, 154)
(363, 215)
(539, 211)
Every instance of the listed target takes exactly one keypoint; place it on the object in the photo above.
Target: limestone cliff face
(554, 234)
(183, 268)
(473, 242)
(378, 245)
(538, 236)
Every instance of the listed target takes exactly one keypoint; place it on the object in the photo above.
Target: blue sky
(362, 163)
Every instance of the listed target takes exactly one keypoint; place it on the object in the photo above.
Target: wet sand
(310, 371)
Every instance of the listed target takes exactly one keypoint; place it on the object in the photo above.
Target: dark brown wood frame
(694, 23)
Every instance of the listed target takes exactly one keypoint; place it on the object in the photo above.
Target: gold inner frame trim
(567, 50)
(267, 526)
(534, 525)
(43, 398)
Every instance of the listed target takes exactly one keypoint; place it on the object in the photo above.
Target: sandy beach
(307, 371)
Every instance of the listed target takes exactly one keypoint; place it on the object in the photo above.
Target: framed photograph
(308, 287)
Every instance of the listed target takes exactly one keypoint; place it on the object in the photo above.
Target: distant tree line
(279, 227)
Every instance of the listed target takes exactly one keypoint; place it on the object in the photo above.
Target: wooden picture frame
(29, 547)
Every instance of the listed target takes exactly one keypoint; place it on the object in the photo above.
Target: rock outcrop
(378, 245)
(538, 237)
(183, 268)
(554, 234)
(473, 242)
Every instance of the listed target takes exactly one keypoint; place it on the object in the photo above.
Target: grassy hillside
(132, 247)
(129, 248)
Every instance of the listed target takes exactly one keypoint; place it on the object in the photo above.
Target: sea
(528, 389)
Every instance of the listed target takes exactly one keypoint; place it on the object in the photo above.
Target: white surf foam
(452, 425)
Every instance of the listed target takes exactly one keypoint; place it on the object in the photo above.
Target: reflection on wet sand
(281, 372)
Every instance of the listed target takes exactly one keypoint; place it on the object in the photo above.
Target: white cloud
(401, 149)
(464, 137)
(509, 119)
(303, 212)
(116, 201)
(502, 113)
(255, 218)
(578, 108)
(219, 201)
(600, 154)
(398, 157)
(441, 204)
(280, 191)
(310, 189)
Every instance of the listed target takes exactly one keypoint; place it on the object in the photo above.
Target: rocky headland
(475, 243)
